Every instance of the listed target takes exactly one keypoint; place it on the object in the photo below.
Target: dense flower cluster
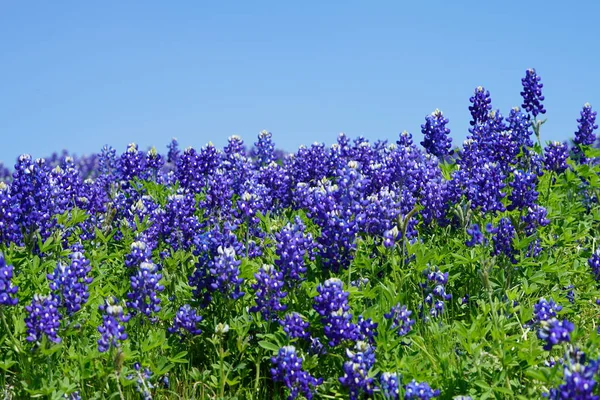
(287, 368)
(332, 305)
(401, 320)
(356, 370)
(7, 289)
(532, 93)
(579, 381)
(550, 329)
(186, 321)
(43, 319)
(70, 282)
(294, 326)
(434, 290)
(112, 329)
(419, 391)
(269, 292)
(555, 157)
(143, 296)
(437, 141)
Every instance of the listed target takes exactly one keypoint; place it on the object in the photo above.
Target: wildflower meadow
(384, 270)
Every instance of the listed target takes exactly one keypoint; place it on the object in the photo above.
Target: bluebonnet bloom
(226, 272)
(594, 263)
(186, 321)
(434, 290)
(356, 370)
(332, 305)
(519, 125)
(586, 125)
(43, 319)
(550, 328)
(401, 320)
(142, 381)
(173, 154)
(294, 326)
(143, 295)
(9, 211)
(476, 236)
(532, 93)
(287, 368)
(389, 382)
(481, 106)
(579, 380)
(112, 329)
(367, 329)
(503, 239)
(436, 140)
(268, 287)
(265, 149)
(523, 194)
(555, 157)
(554, 331)
(7, 289)
(139, 253)
(131, 164)
(70, 282)
(419, 391)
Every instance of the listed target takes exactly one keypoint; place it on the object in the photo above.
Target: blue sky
(78, 75)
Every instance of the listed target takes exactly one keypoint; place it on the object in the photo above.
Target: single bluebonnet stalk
(269, 292)
(265, 149)
(476, 236)
(332, 305)
(70, 282)
(555, 157)
(389, 383)
(293, 247)
(419, 391)
(523, 193)
(367, 330)
(594, 263)
(294, 326)
(43, 319)
(550, 328)
(532, 93)
(287, 368)
(503, 237)
(356, 370)
(112, 329)
(545, 310)
(7, 289)
(401, 320)
(225, 269)
(436, 140)
(186, 322)
(481, 106)
(142, 381)
(434, 290)
(143, 296)
(586, 125)
(579, 375)
(173, 154)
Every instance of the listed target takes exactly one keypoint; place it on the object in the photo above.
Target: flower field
(386, 270)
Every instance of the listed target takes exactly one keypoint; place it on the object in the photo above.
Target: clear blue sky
(80, 74)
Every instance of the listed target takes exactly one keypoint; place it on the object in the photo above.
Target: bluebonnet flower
(545, 310)
(139, 253)
(43, 319)
(143, 296)
(265, 149)
(550, 328)
(294, 326)
(578, 378)
(434, 290)
(519, 125)
(367, 329)
(503, 239)
(287, 368)
(173, 153)
(389, 382)
(523, 194)
(391, 237)
(400, 317)
(481, 106)
(419, 391)
(7, 289)
(268, 287)
(586, 125)
(131, 164)
(436, 140)
(9, 212)
(316, 347)
(112, 329)
(555, 157)
(226, 273)
(332, 305)
(142, 381)
(594, 263)
(476, 236)
(71, 282)
(532, 93)
(356, 370)
(554, 331)
(186, 321)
